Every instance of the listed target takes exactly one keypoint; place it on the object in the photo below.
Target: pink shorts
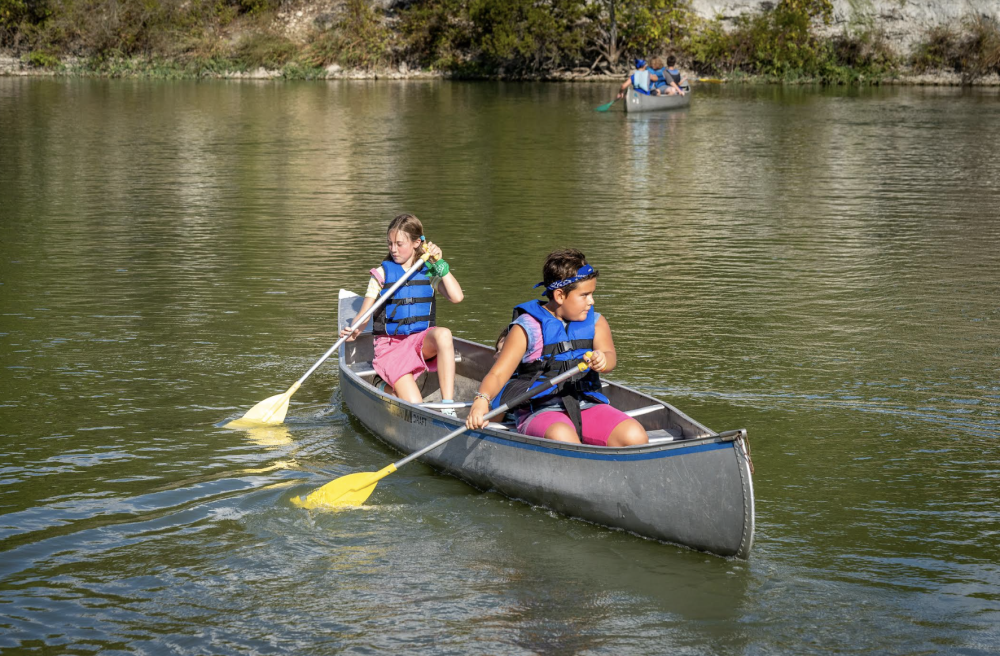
(397, 356)
(598, 423)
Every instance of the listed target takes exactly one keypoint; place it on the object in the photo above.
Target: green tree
(526, 36)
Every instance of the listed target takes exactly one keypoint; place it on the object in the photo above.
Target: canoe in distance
(689, 486)
(641, 102)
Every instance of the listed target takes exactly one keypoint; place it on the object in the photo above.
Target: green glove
(439, 268)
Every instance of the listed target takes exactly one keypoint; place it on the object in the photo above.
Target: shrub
(972, 48)
(866, 51)
(264, 49)
(41, 59)
(777, 42)
(19, 17)
(359, 39)
(524, 36)
(648, 26)
(257, 6)
(436, 34)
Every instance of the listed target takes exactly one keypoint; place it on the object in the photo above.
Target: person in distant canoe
(407, 341)
(668, 78)
(641, 80)
(546, 338)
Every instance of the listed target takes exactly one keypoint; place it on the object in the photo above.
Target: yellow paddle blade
(271, 410)
(350, 490)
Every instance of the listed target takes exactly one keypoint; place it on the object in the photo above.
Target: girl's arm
(514, 348)
(449, 287)
(605, 358)
(365, 305)
(621, 92)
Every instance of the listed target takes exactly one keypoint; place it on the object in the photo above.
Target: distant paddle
(604, 108)
(354, 489)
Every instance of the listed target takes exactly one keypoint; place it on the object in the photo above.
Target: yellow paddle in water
(272, 410)
(354, 489)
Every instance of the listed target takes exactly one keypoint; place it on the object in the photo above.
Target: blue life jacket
(674, 73)
(563, 349)
(661, 78)
(411, 309)
(642, 84)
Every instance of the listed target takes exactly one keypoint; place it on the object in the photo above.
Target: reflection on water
(817, 266)
(268, 435)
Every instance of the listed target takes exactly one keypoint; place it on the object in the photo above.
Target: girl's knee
(561, 432)
(442, 335)
(628, 433)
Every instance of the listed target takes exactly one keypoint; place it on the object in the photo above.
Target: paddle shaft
(528, 395)
(366, 316)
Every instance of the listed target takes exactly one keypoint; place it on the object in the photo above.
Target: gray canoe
(640, 102)
(689, 486)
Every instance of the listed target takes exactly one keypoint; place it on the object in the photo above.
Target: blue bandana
(584, 271)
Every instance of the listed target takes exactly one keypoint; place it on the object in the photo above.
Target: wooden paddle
(272, 410)
(354, 489)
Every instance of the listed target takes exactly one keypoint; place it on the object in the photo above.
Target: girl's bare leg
(406, 389)
(561, 432)
(628, 433)
(438, 343)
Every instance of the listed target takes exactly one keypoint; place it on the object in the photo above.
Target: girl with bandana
(546, 338)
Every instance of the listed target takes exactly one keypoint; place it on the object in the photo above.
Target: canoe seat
(664, 435)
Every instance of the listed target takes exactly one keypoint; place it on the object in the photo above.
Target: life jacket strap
(567, 346)
(408, 301)
(408, 320)
(409, 283)
(383, 319)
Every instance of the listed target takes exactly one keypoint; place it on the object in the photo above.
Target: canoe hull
(640, 102)
(692, 492)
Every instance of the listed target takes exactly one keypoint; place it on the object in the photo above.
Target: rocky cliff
(904, 21)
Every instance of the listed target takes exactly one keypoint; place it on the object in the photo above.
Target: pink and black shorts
(598, 421)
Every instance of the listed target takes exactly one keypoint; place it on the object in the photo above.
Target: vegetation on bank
(475, 38)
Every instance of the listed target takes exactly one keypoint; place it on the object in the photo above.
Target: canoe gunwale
(513, 436)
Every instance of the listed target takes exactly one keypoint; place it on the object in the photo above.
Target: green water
(820, 267)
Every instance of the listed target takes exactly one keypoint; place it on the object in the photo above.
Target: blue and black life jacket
(663, 75)
(563, 349)
(661, 78)
(411, 309)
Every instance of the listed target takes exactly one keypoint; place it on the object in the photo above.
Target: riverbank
(833, 42)
(12, 66)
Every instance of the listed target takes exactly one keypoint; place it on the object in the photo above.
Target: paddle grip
(426, 255)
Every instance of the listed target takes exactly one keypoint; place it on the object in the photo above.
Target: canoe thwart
(644, 410)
